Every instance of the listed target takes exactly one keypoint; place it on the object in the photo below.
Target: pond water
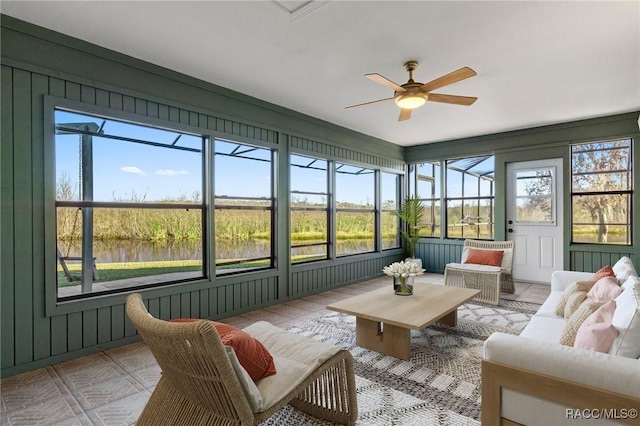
(149, 251)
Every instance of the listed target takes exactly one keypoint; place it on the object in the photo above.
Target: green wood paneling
(23, 217)
(323, 276)
(89, 328)
(117, 322)
(73, 332)
(593, 258)
(105, 324)
(41, 326)
(7, 279)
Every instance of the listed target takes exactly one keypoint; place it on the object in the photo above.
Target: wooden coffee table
(384, 320)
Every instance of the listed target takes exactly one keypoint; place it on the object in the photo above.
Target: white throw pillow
(624, 269)
(630, 282)
(248, 386)
(626, 319)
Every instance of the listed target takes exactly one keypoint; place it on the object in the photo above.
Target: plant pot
(403, 286)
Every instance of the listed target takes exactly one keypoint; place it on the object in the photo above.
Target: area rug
(439, 385)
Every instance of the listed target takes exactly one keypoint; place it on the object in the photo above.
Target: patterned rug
(439, 385)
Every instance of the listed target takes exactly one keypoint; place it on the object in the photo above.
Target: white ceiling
(538, 62)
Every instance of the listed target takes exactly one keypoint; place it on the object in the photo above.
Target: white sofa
(531, 379)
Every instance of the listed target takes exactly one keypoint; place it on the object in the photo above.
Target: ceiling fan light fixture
(411, 100)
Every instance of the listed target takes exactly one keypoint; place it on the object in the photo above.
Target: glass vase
(403, 286)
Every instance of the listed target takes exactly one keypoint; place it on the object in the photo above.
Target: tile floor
(112, 387)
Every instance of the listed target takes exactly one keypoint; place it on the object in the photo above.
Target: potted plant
(410, 213)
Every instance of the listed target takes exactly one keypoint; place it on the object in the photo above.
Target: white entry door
(534, 218)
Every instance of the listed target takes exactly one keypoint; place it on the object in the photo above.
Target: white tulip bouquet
(403, 270)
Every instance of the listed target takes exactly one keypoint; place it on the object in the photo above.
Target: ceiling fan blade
(452, 99)
(385, 82)
(452, 77)
(405, 114)
(368, 103)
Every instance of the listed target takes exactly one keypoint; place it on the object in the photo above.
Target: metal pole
(87, 214)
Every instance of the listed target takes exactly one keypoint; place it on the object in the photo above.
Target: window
(244, 213)
(130, 211)
(355, 209)
(309, 209)
(389, 196)
(469, 198)
(534, 196)
(424, 181)
(601, 192)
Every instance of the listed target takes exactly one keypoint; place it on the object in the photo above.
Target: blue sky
(127, 171)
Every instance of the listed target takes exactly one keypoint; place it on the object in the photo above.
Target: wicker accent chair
(490, 280)
(199, 385)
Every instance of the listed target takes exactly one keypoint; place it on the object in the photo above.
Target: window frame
(444, 197)
(629, 192)
(217, 270)
(382, 210)
(375, 211)
(326, 209)
(53, 304)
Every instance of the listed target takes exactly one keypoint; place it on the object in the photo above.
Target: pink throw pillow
(597, 333)
(485, 257)
(605, 271)
(604, 290)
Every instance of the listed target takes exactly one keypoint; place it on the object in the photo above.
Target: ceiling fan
(412, 95)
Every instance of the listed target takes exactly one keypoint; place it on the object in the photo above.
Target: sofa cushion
(571, 288)
(596, 332)
(485, 257)
(573, 302)
(605, 289)
(544, 328)
(626, 319)
(549, 306)
(605, 271)
(572, 325)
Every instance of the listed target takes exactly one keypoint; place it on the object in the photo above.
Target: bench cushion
(296, 357)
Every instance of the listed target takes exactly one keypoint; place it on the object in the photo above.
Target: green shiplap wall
(40, 69)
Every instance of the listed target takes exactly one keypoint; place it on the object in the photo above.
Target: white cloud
(133, 169)
(171, 173)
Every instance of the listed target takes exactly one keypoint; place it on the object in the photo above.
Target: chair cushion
(507, 257)
(296, 357)
(485, 257)
(252, 354)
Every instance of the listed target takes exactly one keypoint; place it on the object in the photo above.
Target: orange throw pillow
(485, 257)
(605, 271)
(252, 354)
